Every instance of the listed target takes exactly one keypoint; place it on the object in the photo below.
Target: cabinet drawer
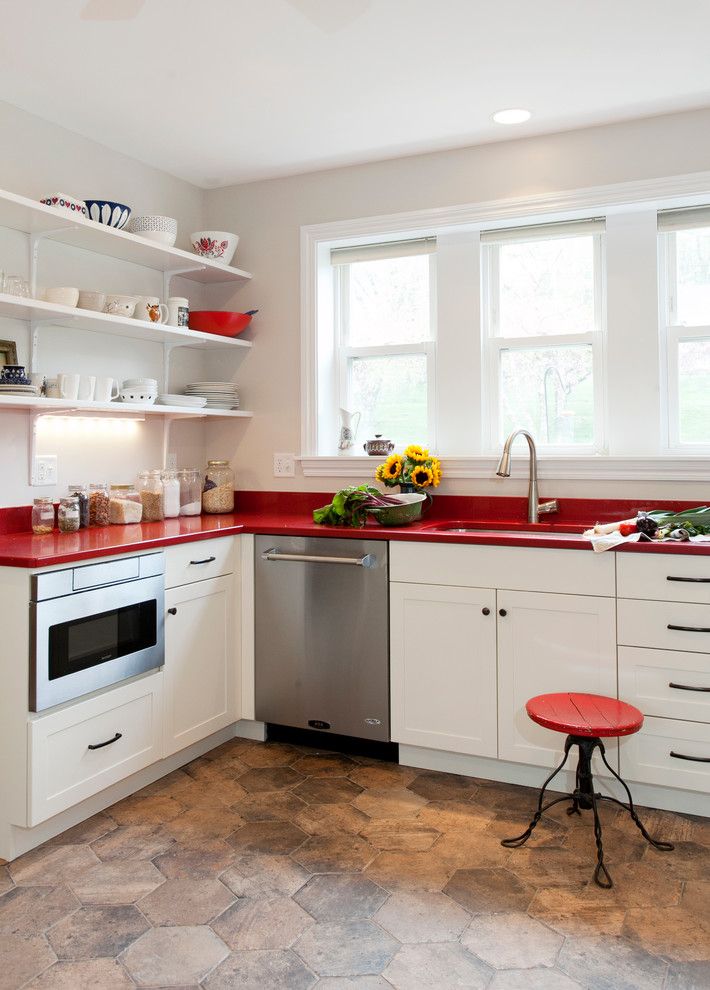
(198, 561)
(64, 770)
(664, 625)
(666, 683)
(663, 577)
(648, 756)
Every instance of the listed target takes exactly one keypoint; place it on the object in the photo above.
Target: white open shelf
(40, 405)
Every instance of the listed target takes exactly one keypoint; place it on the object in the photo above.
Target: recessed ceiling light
(515, 116)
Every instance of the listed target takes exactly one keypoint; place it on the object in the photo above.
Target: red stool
(586, 718)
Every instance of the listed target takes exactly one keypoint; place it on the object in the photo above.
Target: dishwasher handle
(369, 560)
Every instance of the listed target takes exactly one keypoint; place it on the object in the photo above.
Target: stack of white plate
(26, 390)
(186, 401)
(218, 395)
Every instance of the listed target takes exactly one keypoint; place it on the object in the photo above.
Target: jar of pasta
(42, 516)
(218, 489)
(98, 504)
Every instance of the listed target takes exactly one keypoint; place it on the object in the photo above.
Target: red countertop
(498, 522)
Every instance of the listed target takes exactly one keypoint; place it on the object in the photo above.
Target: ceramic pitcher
(349, 423)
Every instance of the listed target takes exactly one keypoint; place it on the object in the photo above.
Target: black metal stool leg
(602, 877)
(520, 840)
(656, 843)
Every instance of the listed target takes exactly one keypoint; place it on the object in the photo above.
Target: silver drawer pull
(690, 580)
(688, 628)
(687, 687)
(693, 759)
(207, 560)
(119, 735)
(369, 560)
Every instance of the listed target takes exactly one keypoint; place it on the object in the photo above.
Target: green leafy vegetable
(349, 506)
(695, 521)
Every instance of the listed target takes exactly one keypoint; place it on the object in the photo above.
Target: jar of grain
(218, 489)
(68, 515)
(42, 516)
(150, 486)
(80, 493)
(124, 505)
(171, 494)
(190, 491)
(98, 504)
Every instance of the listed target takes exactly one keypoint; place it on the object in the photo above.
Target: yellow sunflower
(392, 468)
(422, 476)
(436, 471)
(380, 473)
(416, 453)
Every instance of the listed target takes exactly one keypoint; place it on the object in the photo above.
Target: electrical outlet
(44, 471)
(284, 465)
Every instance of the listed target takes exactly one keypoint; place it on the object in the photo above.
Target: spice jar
(171, 494)
(80, 493)
(218, 490)
(124, 505)
(190, 492)
(98, 504)
(68, 515)
(150, 486)
(42, 516)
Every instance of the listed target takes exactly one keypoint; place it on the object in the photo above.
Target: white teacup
(92, 300)
(120, 305)
(69, 386)
(87, 387)
(106, 389)
(150, 309)
(62, 295)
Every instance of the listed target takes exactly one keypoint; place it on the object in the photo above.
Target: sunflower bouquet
(415, 467)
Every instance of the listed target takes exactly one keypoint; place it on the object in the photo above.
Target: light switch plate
(44, 470)
(284, 465)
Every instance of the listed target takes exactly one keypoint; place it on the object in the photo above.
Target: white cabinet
(668, 752)
(549, 643)
(443, 667)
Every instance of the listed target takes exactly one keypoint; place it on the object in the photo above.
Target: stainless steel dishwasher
(321, 634)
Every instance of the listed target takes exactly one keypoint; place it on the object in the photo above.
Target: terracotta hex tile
(174, 956)
(122, 882)
(408, 871)
(99, 974)
(677, 934)
(688, 976)
(635, 885)
(186, 902)
(541, 978)
(390, 803)
(386, 775)
(207, 859)
(688, 861)
(32, 910)
(407, 834)
(265, 923)
(169, 784)
(228, 752)
(328, 790)
(549, 832)
(353, 949)
(444, 965)
(269, 806)
(565, 910)
(422, 916)
(23, 957)
(325, 765)
(202, 822)
(435, 786)
(341, 897)
(330, 819)
(553, 866)
(92, 932)
(607, 963)
(334, 854)
(511, 940)
(85, 832)
(279, 969)
(620, 845)
(264, 876)
(668, 826)
(269, 755)
(151, 810)
(256, 781)
(513, 797)
(353, 983)
(276, 838)
(5, 880)
(131, 842)
(205, 770)
(476, 848)
(696, 897)
(481, 891)
(51, 865)
(455, 816)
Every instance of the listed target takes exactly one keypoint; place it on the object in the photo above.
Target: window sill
(666, 467)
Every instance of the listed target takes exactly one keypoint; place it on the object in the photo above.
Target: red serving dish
(223, 324)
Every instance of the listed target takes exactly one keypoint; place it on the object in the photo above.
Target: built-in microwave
(94, 625)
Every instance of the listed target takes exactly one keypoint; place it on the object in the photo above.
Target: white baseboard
(246, 728)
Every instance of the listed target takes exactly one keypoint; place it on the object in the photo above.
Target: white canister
(178, 311)
(171, 494)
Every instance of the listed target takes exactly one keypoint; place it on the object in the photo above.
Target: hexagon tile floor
(263, 865)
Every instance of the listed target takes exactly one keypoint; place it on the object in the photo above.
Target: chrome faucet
(535, 507)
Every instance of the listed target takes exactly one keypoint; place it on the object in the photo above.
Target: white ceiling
(222, 91)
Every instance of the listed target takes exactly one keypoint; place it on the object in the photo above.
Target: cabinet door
(443, 668)
(200, 661)
(549, 643)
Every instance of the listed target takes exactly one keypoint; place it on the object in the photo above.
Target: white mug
(178, 311)
(87, 387)
(150, 309)
(106, 389)
(69, 386)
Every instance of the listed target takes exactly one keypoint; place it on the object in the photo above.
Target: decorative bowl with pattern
(107, 212)
(66, 204)
(163, 230)
(217, 245)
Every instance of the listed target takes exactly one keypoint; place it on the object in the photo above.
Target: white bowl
(67, 204)
(120, 305)
(92, 300)
(154, 228)
(62, 295)
(217, 245)
(140, 383)
(137, 396)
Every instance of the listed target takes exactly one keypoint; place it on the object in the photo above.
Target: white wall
(268, 216)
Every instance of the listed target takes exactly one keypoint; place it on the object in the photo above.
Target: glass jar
(80, 493)
(98, 504)
(150, 486)
(68, 515)
(42, 516)
(171, 494)
(190, 491)
(218, 489)
(124, 505)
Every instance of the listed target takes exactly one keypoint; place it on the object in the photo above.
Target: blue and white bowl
(14, 374)
(107, 212)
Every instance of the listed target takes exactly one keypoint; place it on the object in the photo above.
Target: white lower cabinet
(668, 752)
(443, 667)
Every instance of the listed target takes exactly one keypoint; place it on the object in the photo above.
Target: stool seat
(584, 714)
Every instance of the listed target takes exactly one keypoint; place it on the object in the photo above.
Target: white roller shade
(696, 216)
(544, 231)
(378, 252)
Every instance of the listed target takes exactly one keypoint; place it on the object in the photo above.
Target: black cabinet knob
(486, 611)
(502, 612)
(172, 611)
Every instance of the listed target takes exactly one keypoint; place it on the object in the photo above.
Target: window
(685, 255)
(543, 321)
(385, 337)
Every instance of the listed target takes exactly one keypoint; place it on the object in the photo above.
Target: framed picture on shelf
(8, 352)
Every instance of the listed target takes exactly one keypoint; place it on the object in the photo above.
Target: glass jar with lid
(98, 504)
(218, 489)
(81, 494)
(124, 505)
(171, 494)
(190, 491)
(150, 486)
(68, 514)
(43, 516)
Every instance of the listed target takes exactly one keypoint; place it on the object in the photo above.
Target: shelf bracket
(176, 272)
(35, 241)
(35, 326)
